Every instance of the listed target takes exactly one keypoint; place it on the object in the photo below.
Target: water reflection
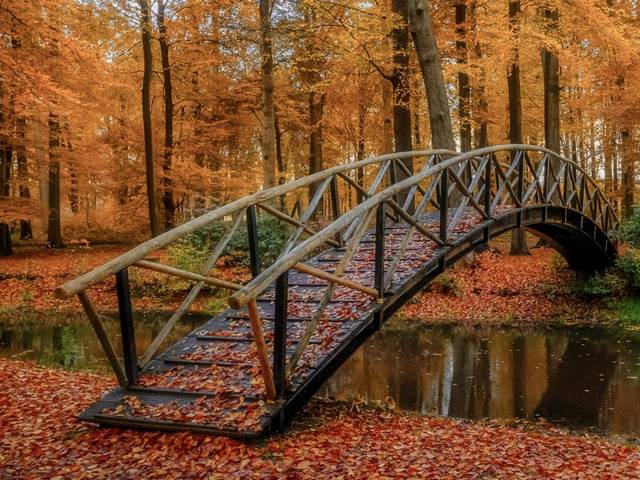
(582, 377)
(70, 342)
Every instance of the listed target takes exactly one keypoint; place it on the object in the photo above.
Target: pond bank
(40, 438)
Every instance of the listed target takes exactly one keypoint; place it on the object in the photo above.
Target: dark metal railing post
(335, 204)
(252, 231)
(280, 334)
(379, 259)
(444, 204)
(126, 327)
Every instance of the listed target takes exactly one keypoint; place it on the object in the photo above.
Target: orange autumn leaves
(40, 438)
(499, 288)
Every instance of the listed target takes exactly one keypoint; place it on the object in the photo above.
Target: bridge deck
(210, 381)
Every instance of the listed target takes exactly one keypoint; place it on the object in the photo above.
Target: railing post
(252, 231)
(335, 204)
(520, 158)
(280, 334)
(487, 194)
(444, 204)
(379, 259)
(126, 327)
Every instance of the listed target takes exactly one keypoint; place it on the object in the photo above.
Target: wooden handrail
(96, 275)
(262, 281)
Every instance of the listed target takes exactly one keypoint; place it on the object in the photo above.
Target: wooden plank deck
(210, 380)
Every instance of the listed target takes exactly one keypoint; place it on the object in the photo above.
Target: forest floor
(495, 288)
(40, 438)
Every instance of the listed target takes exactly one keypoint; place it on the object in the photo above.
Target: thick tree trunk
(54, 233)
(464, 85)
(167, 183)
(400, 81)
(431, 67)
(551, 73)
(268, 108)
(145, 26)
(518, 237)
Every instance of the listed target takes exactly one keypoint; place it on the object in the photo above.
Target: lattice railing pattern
(435, 202)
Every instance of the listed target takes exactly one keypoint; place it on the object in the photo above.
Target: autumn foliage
(40, 438)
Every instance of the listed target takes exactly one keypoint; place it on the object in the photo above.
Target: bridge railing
(330, 193)
(438, 201)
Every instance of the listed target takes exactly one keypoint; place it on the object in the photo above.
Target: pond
(578, 377)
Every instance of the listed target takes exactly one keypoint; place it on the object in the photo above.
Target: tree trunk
(431, 67)
(464, 86)
(481, 135)
(54, 233)
(74, 194)
(23, 175)
(551, 73)
(628, 174)
(387, 112)
(400, 79)
(145, 26)
(518, 237)
(268, 109)
(316, 110)
(167, 184)
(6, 247)
(608, 152)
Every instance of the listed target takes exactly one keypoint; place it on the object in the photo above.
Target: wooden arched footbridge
(372, 234)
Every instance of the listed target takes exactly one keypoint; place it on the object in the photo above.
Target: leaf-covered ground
(40, 438)
(500, 288)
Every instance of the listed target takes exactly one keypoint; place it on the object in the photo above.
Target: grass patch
(627, 311)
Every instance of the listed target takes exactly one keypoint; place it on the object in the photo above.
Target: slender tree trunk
(54, 233)
(316, 110)
(628, 174)
(282, 166)
(387, 112)
(431, 67)
(145, 25)
(518, 237)
(400, 81)
(608, 151)
(464, 85)
(268, 108)
(361, 143)
(74, 193)
(167, 183)
(23, 175)
(6, 247)
(481, 134)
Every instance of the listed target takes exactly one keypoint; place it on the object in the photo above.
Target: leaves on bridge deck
(40, 438)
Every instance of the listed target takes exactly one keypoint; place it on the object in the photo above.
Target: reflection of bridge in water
(372, 235)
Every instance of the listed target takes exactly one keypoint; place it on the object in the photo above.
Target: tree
(400, 84)
(145, 27)
(54, 232)
(518, 237)
(431, 67)
(167, 195)
(268, 108)
(464, 86)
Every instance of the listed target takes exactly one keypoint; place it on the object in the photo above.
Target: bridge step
(210, 382)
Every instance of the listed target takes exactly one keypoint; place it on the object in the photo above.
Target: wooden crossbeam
(292, 221)
(176, 272)
(316, 272)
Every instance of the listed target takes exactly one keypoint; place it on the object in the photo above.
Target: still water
(580, 377)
